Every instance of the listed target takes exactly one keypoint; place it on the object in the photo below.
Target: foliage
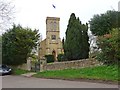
(63, 41)
(50, 58)
(0, 49)
(60, 57)
(110, 52)
(104, 26)
(34, 57)
(97, 72)
(17, 44)
(115, 42)
(103, 23)
(76, 45)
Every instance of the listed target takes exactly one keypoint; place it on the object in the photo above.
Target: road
(32, 82)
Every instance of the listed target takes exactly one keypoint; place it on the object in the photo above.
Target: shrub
(61, 57)
(50, 58)
(110, 53)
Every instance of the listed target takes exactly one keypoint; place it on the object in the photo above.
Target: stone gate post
(43, 64)
(29, 63)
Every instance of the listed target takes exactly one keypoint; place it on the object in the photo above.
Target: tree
(63, 41)
(115, 42)
(93, 46)
(76, 44)
(0, 49)
(103, 23)
(85, 39)
(109, 44)
(17, 44)
(6, 14)
(104, 27)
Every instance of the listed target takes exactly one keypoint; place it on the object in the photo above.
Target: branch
(6, 14)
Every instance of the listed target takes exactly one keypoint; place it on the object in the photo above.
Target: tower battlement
(52, 45)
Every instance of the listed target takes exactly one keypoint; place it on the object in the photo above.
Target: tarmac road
(10, 81)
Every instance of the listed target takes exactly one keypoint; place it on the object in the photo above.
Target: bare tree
(6, 14)
(93, 46)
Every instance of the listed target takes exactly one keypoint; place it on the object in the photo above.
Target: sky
(33, 13)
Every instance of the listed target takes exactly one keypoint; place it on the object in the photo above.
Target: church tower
(52, 45)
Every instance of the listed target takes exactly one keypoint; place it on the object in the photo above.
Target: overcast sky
(33, 13)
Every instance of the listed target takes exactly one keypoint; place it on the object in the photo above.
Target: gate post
(29, 64)
(43, 64)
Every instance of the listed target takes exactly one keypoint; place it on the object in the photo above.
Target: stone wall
(62, 65)
(23, 66)
(71, 64)
(26, 66)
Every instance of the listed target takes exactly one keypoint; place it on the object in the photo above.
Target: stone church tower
(52, 45)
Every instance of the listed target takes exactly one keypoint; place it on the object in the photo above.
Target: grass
(98, 72)
(19, 71)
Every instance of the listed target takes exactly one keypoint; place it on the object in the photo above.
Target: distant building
(119, 6)
(52, 44)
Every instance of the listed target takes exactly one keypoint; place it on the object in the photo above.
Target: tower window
(53, 37)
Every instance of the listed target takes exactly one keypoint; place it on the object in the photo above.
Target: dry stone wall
(62, 65)
(71, 64)
(23, 66)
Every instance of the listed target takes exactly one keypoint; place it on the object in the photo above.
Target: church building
(52, 44)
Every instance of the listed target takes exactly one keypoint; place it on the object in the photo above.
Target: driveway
(31, 82)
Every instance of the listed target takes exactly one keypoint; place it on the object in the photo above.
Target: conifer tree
(76, 45)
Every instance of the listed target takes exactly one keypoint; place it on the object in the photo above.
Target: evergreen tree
(76, 45)
(69, 43)
(17, 44)
(102, 24)
(63, 41)
(85, 44)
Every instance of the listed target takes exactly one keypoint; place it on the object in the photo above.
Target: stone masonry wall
(23, 66)
(71, 64)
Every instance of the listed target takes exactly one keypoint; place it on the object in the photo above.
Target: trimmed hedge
(61, 57)
(49, 58)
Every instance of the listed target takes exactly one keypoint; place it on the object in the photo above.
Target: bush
(110, 52)
(61, 57)
(50, 58)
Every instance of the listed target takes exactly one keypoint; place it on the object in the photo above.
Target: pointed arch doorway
(54, 54)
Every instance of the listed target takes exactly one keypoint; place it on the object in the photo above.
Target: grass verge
(98, 73)
(19, 71)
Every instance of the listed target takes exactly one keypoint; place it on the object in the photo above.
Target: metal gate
(35, 67)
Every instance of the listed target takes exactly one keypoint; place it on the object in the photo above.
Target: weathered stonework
(63, 65)
(23, 66)
(52, 44)
(71, 64)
